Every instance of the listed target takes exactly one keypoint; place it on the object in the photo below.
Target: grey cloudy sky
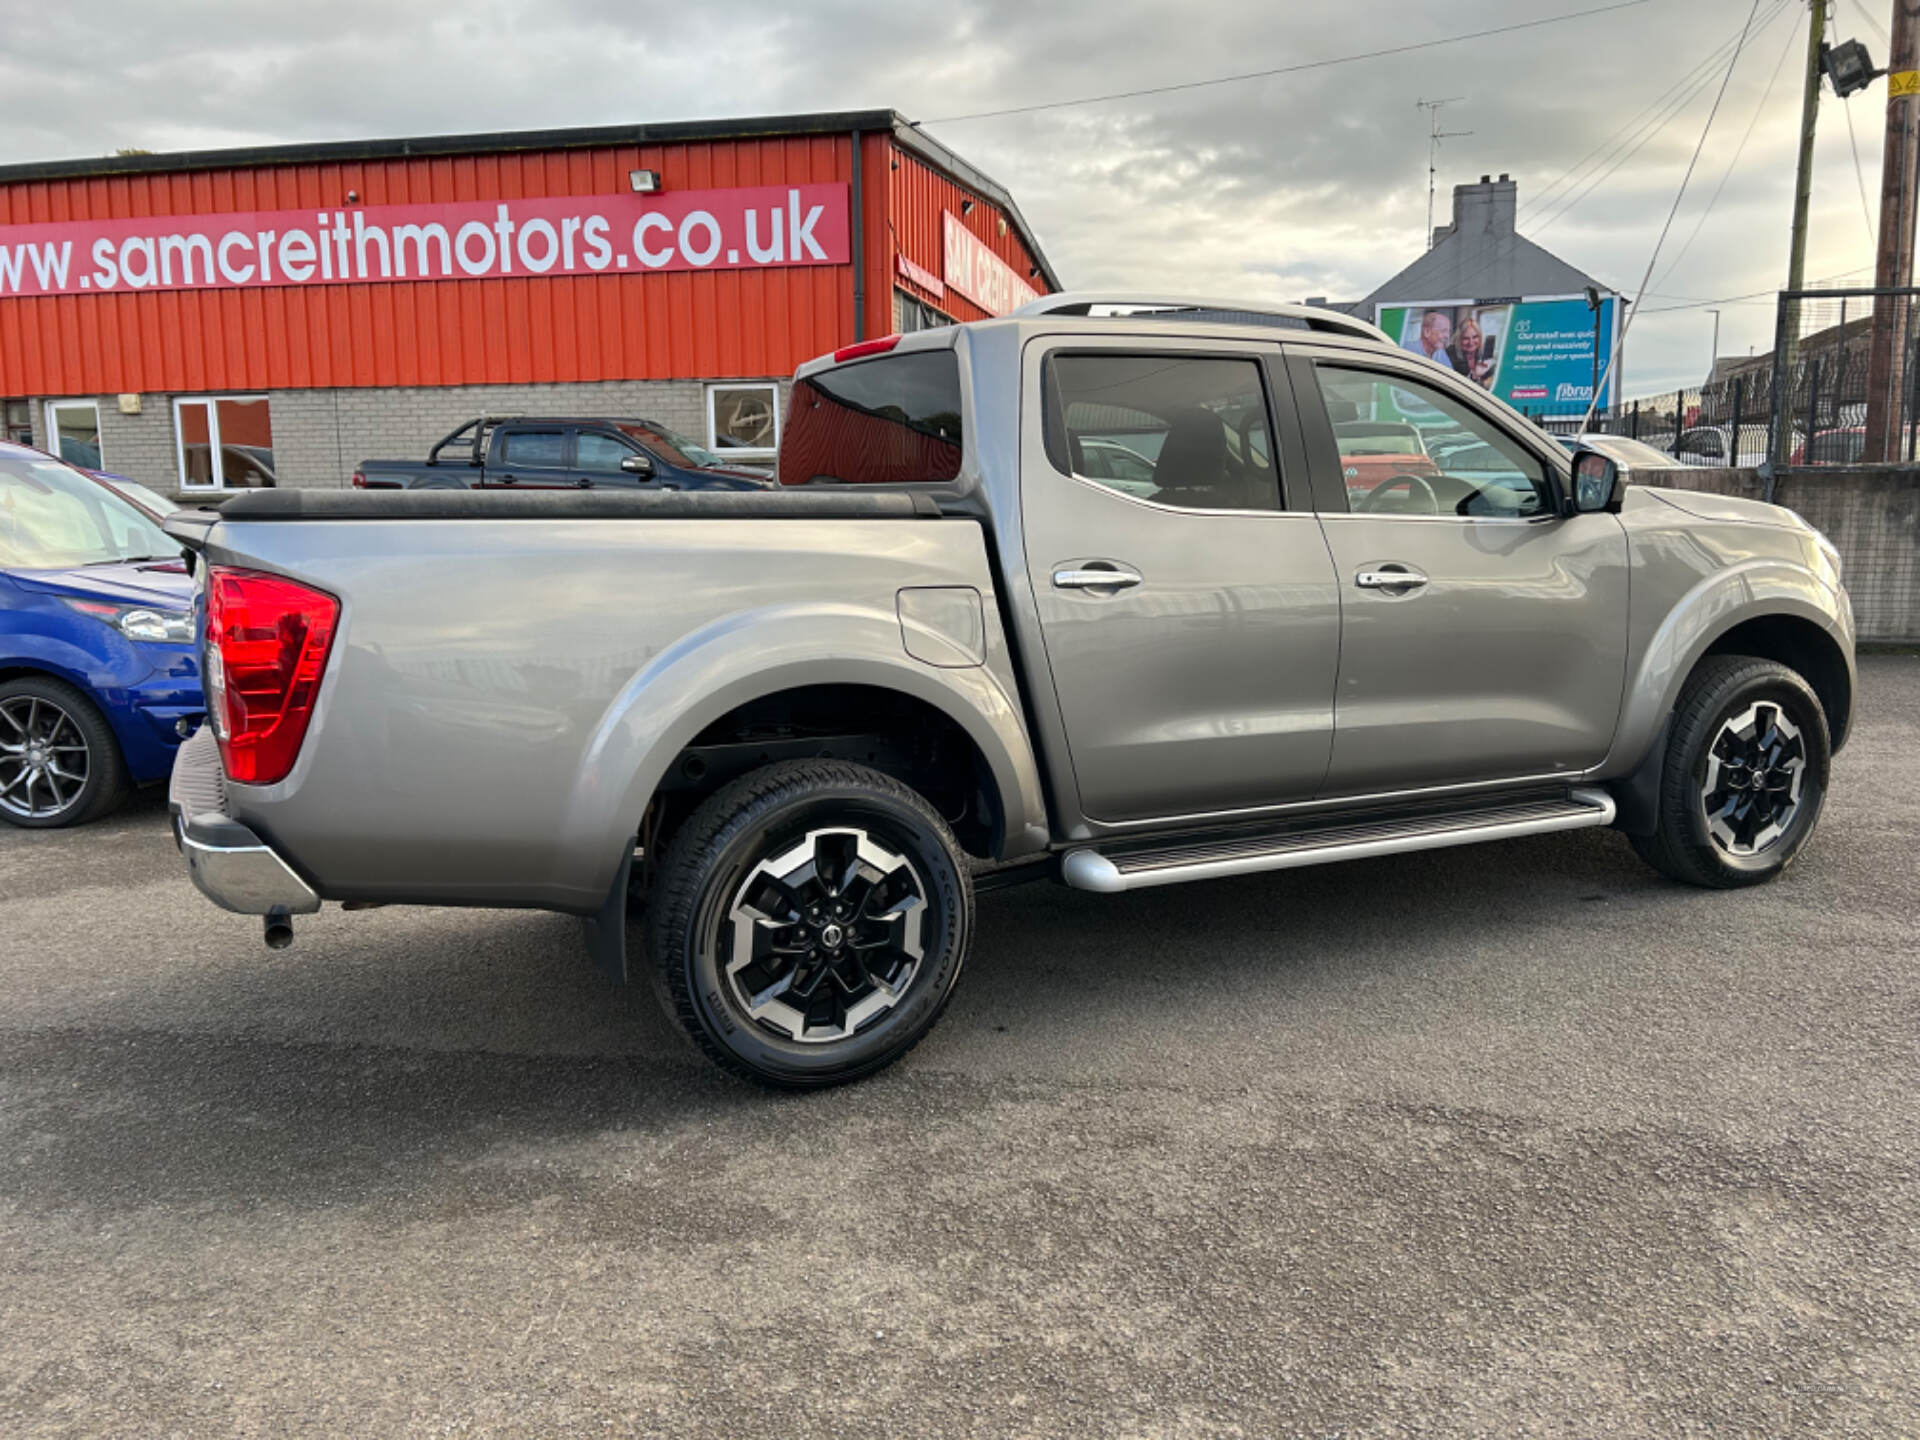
(1307, 184)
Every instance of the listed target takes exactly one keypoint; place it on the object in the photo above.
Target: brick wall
(319, 435)
(1871, 513)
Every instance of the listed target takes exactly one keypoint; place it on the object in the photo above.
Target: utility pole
(1434, 136)
(1715, 358)
(1788, 358)
(1893, 264)
(1809, 117)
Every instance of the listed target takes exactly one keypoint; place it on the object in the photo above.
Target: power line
(1673, 113)
(1694, 77)
(1679, 195)
(1659, 112)
(1877, 27)
(1286, 69)
(1738, 151)
(1751, 294)
(1866, 210)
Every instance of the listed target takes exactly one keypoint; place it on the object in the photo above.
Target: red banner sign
(980, 275)
(742, 229)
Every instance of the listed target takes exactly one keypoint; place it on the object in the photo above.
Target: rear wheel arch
(921, 743)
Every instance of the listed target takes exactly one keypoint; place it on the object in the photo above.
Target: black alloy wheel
(810, 922)
(1756, 773)
(1745, 774)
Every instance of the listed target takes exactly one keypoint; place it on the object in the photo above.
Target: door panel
(529, 458)
(1508, 661)
(596, 461)
(1206, 684)
(1504, 653)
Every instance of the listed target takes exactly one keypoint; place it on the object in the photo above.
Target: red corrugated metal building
(270, 316)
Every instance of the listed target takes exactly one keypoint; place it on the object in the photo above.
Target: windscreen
(894, 420)
(52, 517)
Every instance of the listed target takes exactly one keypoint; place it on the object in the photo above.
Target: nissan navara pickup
(782, 732)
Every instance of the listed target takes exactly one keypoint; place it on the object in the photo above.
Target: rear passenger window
(535, 449)
(1185, 431)
(890, 421)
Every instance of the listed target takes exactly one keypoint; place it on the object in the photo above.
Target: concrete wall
(319, 435)
(1872, 513)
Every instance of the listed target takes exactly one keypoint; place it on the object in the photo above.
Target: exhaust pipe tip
(278, 931)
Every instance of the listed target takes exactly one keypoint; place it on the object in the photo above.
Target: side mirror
(637, 465)
(1599, 482)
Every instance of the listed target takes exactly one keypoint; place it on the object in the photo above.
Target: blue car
(98, 673)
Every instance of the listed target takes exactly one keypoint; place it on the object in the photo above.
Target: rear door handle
(1398, 577)
(1093, 577)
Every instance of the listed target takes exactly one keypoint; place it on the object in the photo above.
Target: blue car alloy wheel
(59, 764)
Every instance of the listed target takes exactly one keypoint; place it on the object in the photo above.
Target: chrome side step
(1580, 808)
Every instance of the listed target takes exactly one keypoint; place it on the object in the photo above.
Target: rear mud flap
(606, 929)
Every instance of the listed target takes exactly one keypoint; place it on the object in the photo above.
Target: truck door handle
(1394, 577)
(1095, 577)
(506, 479)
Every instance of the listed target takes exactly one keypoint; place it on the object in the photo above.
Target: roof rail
(1304, 317)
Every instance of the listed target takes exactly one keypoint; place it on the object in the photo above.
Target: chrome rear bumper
(232, 866)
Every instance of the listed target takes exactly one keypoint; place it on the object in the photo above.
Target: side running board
(1211, 858)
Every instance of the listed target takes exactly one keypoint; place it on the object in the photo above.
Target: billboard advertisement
(1536, 354)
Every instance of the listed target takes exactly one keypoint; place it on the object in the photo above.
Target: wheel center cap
(831, 936)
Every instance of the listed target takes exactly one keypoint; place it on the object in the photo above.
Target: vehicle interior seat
(1192, 469)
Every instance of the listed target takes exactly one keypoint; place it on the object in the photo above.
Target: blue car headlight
(140, 622)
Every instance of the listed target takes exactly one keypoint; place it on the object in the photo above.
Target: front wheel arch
(1800, 645)
(1805, 649)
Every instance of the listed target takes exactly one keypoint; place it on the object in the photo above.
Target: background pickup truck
(948, 641)
(533, 453)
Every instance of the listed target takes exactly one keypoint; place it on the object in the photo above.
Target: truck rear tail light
(267, 644)
(359, 480)
(865, 348)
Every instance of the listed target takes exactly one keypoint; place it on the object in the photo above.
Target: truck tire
(1745, 775)
(809, 923)
(59, 761)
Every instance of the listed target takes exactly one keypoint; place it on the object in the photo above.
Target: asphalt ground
(1509, 1140)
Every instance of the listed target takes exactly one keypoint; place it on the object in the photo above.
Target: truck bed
(502, 698)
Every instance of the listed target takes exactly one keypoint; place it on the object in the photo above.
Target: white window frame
(212, 402)
(734, 452)
(51, 429)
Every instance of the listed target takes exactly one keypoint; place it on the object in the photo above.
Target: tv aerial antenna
(1434, 136)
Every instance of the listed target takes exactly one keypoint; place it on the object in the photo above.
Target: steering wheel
(1432, 501)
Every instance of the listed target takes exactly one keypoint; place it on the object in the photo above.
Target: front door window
(1409, 448)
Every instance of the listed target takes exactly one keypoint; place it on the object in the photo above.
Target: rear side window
(535, 449)
(890, 421)
(1186, 431)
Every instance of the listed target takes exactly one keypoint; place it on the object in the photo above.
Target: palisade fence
(1844, 393)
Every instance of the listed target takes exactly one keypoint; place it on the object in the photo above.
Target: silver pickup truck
(1122, 599)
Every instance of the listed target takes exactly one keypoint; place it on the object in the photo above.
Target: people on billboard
(1436, 329)
(1472, 352)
